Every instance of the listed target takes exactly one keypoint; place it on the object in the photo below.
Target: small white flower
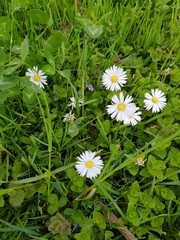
(156, 101)
(133, 118)
(36, 76)
(89, 165)
(68, 117)
(121, 109)
(166, 71)
(74, 102)
(114, 78)
(140, 161)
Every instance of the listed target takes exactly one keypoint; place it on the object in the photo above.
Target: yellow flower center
(89, 164)
(113, 79)
(155, 100)
(36, 78)
(121, 107)
(131, 115)
(141, 159)
(69, 118)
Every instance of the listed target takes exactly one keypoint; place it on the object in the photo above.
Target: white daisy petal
(114, 78)
(68, 117)
(89, 164)
(73, 102)
(37, 77)
(122, 107)
(156, 101)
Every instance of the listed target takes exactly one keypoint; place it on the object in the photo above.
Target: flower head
(68, 117)
(133, 118)
(114, 78)
(89, 165)
(74, 102)
(37, 76)
(156, 101)
(90, 88)
(121, 108)
(140, 161)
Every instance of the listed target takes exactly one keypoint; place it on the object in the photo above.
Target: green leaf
(134, 193)
(59, 133)
(99, 220)
(47, 69)
(147, 200)
(3, 56)
(24, 48)
(84, 234)
(73, 130)
(157, 222)
(1, 201)
(5, 26)
(171, 174)
(76, 188)
(158, 205)
(16, 197)
(94, 30)
(167, 194)
(53, 208)
(63, 201)
(16, 169)
(174, 156)
(54, 41)
(50, 58)
(65, 74)
(175, 76)
(140, 231)
(132, 215)
(60, 92)
(18, 4)
(8, 82)
(108, 235)
(29, 96)
(155, 167)
(160, 153)
(29, 192)
(133, 169)
(53, 199)
(38, 16)
(106, 126)
(68, 211)
(91, 29)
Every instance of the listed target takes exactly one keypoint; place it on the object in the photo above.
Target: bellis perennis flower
(68, 117)
(156, 101)
(37, 76)
(121, 108)
(89, 165)
(74, 102)
(140, 161)
(114, 78)
(133, 118)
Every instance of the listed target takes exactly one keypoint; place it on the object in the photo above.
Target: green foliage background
(73, 42)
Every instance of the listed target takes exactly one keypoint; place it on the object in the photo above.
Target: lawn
(89, 119)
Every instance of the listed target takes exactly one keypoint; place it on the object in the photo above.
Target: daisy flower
(121, 109)
(140, 161)
(36, 76)
(156, 101)
(74, 102)
(89, 165)
(68, 117)
(114, 78)
(133, 118)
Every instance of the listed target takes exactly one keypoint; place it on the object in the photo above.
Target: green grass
(74, 42)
